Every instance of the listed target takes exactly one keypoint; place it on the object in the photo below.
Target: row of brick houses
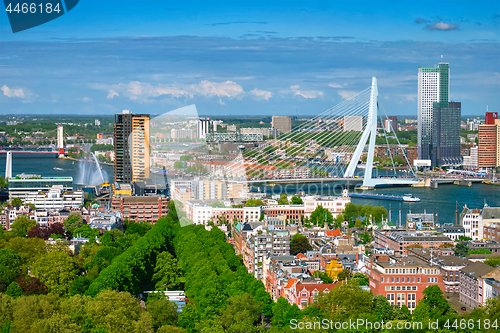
(478, 282)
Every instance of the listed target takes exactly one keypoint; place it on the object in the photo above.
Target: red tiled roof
(333, 233)
(290, 283)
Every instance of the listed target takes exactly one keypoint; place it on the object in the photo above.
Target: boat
(491, 183)
(56, 168)
(410, 197)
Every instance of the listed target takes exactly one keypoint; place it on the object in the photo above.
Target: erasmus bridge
(332, 144)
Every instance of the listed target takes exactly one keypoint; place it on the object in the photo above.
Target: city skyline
(245, 59)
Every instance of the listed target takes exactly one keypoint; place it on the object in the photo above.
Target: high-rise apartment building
(203, 127)
(489, 142)
(433, 87)
(445, 144)
(131, 147)
(438, 119)
(282, 123)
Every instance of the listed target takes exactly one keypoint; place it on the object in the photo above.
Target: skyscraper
(438, 119)
(433, 87)
(445, 144)
(489, 141)
(131, 147)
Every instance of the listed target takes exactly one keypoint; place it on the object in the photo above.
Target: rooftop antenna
(441, 58)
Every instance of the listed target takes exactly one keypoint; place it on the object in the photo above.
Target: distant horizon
(238, 58)
(210, 115)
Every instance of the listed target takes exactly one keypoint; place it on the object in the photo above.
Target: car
(463, 308)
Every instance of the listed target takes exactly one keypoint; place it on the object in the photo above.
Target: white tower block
(60, 140)
(8, 165)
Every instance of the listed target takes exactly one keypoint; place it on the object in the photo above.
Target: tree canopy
(299, 244)
(22, 224)
(283, 200)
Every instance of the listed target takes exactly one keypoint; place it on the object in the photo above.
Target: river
(441, 201)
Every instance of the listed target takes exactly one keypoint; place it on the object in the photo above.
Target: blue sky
(242, 57)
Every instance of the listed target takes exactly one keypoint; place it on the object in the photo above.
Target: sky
(247, 58)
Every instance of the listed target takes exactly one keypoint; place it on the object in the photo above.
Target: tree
(14, 290)
(493, 261)
(16, 202)
(283, 200)
(318, 216)
(56, 229)
(461, 250)
(299, 244)
(217, 204)
(85, 231)
(323, 276)
(40, 231)
(463, 238)
(433, 305)
(361, 278)
(137, 228)
(345, 274)
(57, 270)
(382, 309)
(10, 268)
(171, 329)
(240, 314)
(284, 312)
(402, 313)
(22, 224)
(347, 300)
(254, 203)
(162, 311)
(178, 165)
(297, 201)
(72, 222)
(338, 221)
(32, 285)
(115, 311)
(80, 285)
(168, 273)
(365, 237)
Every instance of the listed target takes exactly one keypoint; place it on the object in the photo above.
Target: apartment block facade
(402, 280)
(141, 208)
(131, 147)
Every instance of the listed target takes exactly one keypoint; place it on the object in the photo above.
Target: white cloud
(262, 94)
(334, 85)
(86, 99)
(442, 26)
(347, 93)
(13, 92)
(295, 91)
(112, 94)
(141, 91)
(411, 97)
